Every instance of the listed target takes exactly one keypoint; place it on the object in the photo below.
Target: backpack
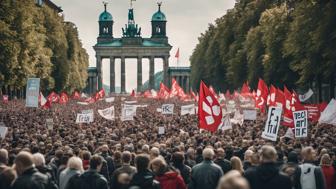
(307, 177)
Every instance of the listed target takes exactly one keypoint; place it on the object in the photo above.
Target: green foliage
(36, 42)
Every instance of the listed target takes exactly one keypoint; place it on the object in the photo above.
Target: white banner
(167, 108)
(272, 124)
(3, 130)
(32, 92)
(131, 102)
(238, 118)
(84, 118)
(328, 116)
(50, 124)
(226, 123)
(161, 130)
(128, 112)
(250, 115)
(111, 99)
(301, 123)
(107, 113)
(142, 105)
(188, 109)
(230, 106)
(83, 103)
(306, 96)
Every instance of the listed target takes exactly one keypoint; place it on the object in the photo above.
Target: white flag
(43, 100)
(328, 116)
(272, 124)
(306, 96)
(167, 108)
(3, 130)
(188, 109)
(83, 95)
(107, 113)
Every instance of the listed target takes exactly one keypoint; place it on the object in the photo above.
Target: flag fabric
(90, 100)
(42, 99)
(53, 97)
(133, 93)
(5, 99)
(271, 96)
(328, 116)
(176, 90)
(288, 112)
(280, 99)
(75, 95)
(47, 105)
(164, 92)
(306, 96)
(209, 110)
(63, 98)
(177, 55)
(261, 96)
(228, 95)
(147, 94)
(245, 90)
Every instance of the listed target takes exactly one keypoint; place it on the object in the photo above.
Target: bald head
(23, 161)
(3, 156)
(268, 154)
(208, 154)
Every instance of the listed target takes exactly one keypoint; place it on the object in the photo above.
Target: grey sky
(187, 19)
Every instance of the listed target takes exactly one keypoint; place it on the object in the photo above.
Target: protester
(329, 172)
(206, 174)
(267, 175)
(3, 159)
(247, 159)
(236, 164)
(126, 169)
(221, 161)
(178, 163)
(7, 177)
(233, 180)
(73, 170)
(91, 178)
(291, 166)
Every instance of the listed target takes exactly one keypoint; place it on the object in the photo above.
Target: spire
(105, 4)
(159, 5)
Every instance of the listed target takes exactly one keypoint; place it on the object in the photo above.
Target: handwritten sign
(272, 124)
(301, 123)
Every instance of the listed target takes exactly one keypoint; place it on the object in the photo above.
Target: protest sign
(238, 118)
(128, 112)
(188, 109)
(84, 117)
(50, 124)
(32, 92)
(167, 108)
(107, 113)
(272, 124)
(226, 123)
(3, 130)
(131, 102)
(250, 115)
(111, 99)
(161, 130)
(301, 123)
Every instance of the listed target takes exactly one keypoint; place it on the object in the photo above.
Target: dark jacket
(224, 164)
(74, 182)
(267, 176)
(144, 180)
(31, 179)
(130, 170)
(108, 166)
(92, 179)
(185, 172)
(205, 175)
(319, 178)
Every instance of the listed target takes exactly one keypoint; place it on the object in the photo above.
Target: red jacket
(171, 180)
(329, 176)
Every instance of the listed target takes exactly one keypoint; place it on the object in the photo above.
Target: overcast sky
(187, 19)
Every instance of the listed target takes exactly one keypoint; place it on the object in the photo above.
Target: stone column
(112, 75)
(95, 84)
(139, 76)
(90, 83)
(99, 72)
(123, 78)
(188, 84)
(151, 72)
(165, 70)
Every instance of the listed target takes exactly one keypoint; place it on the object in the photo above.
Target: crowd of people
(132, 154)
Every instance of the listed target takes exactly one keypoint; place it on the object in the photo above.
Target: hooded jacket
(171, 180)
(267, 176)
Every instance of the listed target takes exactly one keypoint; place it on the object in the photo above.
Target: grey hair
(38, 159)
(75, 163)
(208, 153)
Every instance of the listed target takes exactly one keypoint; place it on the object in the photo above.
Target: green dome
(159, 16)
(105, 16)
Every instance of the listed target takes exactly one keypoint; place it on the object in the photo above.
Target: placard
(167, 108)
(50, 124)
(226, 123)
(128, 112)
(111, 99)
(301, 123)
(272, 124)
(161, 130)
(107, 113)
(32, 92)
(84, 118)
(3, 131)
(250, 115)
(131, 102)
(188, 109)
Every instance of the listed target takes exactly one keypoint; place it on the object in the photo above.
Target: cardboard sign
(188, 109)
(250, 115)
(3, 132)
(272, 124)
(301, 123)
(161, 130)
(32, 92)
(107, 113)
(50, 124)
(128, 112)
(84, 118)
(167, 108)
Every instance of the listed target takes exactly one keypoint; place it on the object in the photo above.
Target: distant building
(50, 4)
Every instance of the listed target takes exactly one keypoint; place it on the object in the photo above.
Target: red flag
(53, 97)
(75, 95)
(261, 96)
(5, 99)
(91, 100)
(245, 90)
(176, 90)
(177, 55)
(46, 105)
(280, 98)
(63, 98)
(163, 92)
(209, 110)
(147, 94)
(271, 97)
(133, 93)
(228, 95)
(313, 112)
(99, 95)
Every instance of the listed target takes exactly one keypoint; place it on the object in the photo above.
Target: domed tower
(105, 26)
(159, 24)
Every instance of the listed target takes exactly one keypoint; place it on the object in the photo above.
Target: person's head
(233, 180)
(126, 157)
(248, 155)
(255, 159)
(104, 148)
(236, 164)
(23, 161)
(325, 160)
(178, 158)
(208, 154)
(38, 159)
(191, 153)
(3, 156)
(154, 152)
(159, 166)
(58, 154)
(96, 162)
(308, 154)
(220, 153)
(293, 157)
(145, 149)
(86, 155)
(142, 162)
(75, 163)
(268, 154)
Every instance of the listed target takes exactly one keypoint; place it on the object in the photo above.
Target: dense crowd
(132, 154)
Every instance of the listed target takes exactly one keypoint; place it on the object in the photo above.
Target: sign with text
(272, 124)
(188, 109)
(84, 118)
(301, 123)
(250, 115)
(50, 124)
(128, 112)
(167, 108)
(107, 113)
(32, 92)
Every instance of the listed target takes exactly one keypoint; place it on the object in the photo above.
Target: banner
(107, 113)
(128, 112)
(84, 118)
(328, 116)
(3, 132)
(188, 109)
(301, 123)
(167, 108)
(250, 115)
(230, 106)
(226, 123)
(50, 124)
(161, 130)
(32, 92)
(111, 99)
(306, 96)
(131, 102)
(83, 103)
(272, 124)
(238, 118)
